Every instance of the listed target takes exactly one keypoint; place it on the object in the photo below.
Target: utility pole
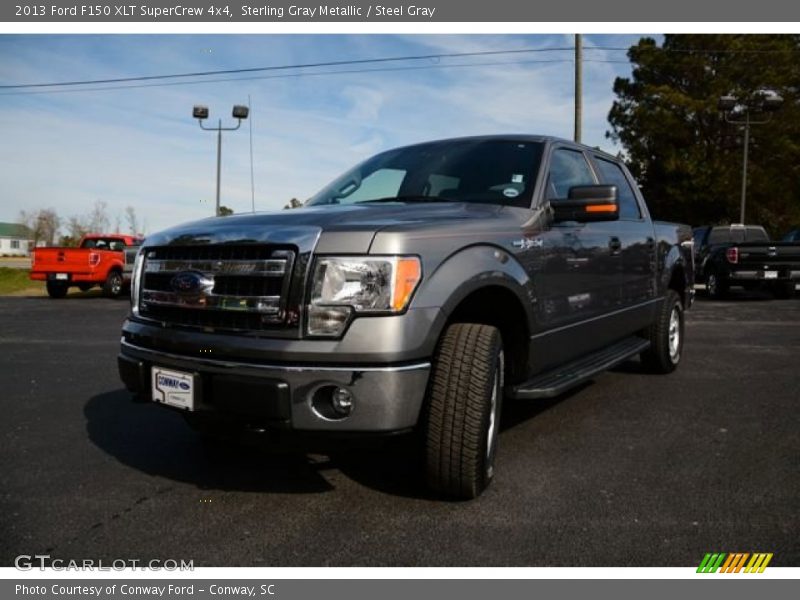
(744, 165)
(252, 178)
(578, 85)
(201, 113)
(764, 102)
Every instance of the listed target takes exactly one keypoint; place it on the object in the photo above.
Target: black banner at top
(387, 11)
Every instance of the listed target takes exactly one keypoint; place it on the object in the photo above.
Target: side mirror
(586, 204)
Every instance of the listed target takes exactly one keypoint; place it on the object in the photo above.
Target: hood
(353, 227)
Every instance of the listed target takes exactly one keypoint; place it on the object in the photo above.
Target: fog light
(342, 401)
(332, 402)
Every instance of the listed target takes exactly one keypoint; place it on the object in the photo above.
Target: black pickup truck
(413, 293)
(744, 256)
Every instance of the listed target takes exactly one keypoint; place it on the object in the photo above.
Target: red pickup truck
(99, 259)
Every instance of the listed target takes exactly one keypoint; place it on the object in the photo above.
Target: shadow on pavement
(156, 441)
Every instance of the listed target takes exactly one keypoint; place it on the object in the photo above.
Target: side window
(612, 173)
(568, 168)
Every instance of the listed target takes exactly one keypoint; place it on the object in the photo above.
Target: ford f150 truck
(415, 292)
(743, 255)
(98, 260)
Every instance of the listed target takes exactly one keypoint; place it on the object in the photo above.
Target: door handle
(614, 245)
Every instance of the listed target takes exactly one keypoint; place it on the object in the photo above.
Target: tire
(113, 285)
(666, 336)
(57, 289)
(716, 286)
(463, 410)
(783, 289)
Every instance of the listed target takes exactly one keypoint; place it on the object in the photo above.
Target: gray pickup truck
(414, 293)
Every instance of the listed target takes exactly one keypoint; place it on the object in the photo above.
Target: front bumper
(386, 399)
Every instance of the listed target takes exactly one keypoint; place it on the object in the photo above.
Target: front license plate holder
(174, 388)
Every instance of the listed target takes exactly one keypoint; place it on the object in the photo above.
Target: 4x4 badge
(527, 243)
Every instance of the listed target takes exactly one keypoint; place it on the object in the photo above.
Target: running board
(559, 380)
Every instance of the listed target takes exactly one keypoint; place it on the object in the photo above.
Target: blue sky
(140, 146)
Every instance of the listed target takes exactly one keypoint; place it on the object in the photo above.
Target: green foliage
(224, 211)
(15, 281)
(678, 145)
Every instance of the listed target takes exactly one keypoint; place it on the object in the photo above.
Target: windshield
(493, 171)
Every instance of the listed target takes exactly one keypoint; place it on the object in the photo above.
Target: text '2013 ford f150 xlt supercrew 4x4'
(413, 293)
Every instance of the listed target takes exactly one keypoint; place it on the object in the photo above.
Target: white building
(15, 240)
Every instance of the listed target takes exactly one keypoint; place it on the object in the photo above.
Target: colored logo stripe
(758, 563)
(734, 562)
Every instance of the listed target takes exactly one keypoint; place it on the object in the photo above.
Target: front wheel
(463, 410)
(666, 336)
(113, 285)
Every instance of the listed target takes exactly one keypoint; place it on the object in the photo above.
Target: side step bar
(559, 380)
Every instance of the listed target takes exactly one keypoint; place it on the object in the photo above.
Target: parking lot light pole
(765, 102)
(201, 113)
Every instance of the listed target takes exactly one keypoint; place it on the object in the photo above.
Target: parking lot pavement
(632, 469)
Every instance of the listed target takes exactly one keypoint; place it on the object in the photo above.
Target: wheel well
(499, 307)
(677, 282)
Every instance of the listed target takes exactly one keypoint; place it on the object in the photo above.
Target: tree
(293, 203)
(43, 224)
(131, 220)
(224, 211)
(687, 159)
(98, 218)
(77, 227)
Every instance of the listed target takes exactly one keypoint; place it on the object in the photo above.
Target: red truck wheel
(57, 289)
(113, 285)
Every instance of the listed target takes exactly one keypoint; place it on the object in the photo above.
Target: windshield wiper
(407, 199)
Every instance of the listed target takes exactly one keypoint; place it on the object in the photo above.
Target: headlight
(343, 285)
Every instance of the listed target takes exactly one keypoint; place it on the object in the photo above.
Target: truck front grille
(242, 287)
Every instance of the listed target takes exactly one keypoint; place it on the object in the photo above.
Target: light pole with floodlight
(200, 113)
(765, 103)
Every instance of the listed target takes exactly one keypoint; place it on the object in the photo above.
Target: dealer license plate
(174, 388)
(770, 274)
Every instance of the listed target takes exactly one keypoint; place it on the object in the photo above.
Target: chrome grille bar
(265, 305)
(262, 268)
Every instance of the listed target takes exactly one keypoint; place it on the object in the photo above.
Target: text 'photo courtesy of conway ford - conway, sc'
(415, 293)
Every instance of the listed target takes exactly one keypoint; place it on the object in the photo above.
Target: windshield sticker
(517, 178)
(510, 193)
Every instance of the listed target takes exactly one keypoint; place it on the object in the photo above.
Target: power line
(293, 75)
(418, 57)
(336, 63)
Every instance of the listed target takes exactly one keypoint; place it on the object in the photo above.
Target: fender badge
(527, 243)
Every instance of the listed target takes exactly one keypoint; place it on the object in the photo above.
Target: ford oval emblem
(184, 386)
(190, 283)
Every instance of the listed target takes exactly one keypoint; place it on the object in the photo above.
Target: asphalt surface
(632, 469)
